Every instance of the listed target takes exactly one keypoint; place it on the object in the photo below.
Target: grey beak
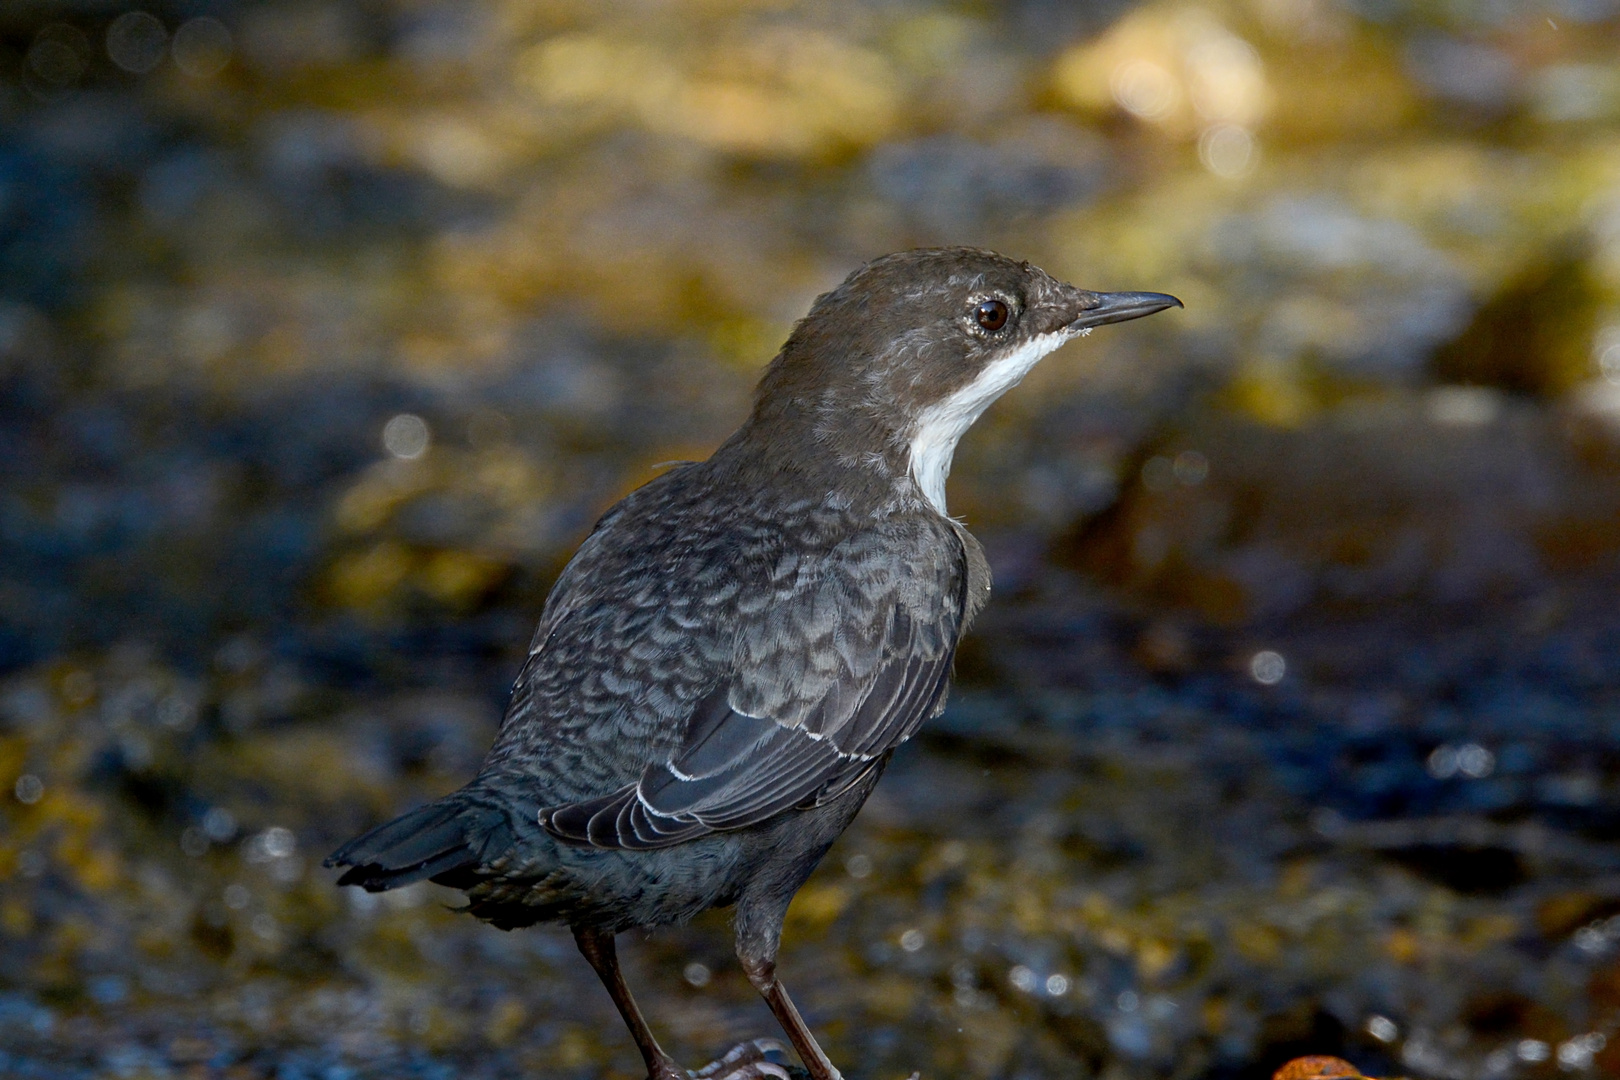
(1113, 307)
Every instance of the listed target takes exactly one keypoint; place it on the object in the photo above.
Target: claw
(745, 1061)
(758, 1070)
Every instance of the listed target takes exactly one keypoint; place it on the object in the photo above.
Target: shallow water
(326, 329)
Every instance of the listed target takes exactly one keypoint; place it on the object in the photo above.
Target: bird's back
(809, 631)
(704, 578)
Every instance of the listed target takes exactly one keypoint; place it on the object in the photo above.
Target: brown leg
(762, 973)
(599, 950)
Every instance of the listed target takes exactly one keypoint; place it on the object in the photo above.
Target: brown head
(889, 369)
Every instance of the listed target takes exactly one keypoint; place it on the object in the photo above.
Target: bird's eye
(992, 314)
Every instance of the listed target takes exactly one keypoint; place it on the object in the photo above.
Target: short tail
(447, 839)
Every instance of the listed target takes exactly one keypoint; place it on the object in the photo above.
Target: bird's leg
(761, 971)
(599, 950)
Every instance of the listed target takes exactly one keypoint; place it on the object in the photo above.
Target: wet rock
(1445, 499)
(1534, 335)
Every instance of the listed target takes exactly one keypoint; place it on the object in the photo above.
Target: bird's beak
(1119, 306)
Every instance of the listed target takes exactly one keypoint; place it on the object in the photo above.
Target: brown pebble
(1316, 1067)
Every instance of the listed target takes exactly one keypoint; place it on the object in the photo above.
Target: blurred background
(327, 328)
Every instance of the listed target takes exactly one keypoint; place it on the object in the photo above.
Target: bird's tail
(446, 840)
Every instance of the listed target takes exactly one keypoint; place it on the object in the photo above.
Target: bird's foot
(746, 1061)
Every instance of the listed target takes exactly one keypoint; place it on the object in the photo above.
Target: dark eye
(992, 314)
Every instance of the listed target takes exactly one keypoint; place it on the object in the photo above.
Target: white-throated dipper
(727, 663)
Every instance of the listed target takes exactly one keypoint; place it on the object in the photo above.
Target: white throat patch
(941, 426)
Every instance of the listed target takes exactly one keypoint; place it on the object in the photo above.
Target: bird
(727, 663)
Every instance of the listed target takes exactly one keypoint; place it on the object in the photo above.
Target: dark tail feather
(458, 832)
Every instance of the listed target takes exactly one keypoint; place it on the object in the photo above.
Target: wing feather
(890, 670)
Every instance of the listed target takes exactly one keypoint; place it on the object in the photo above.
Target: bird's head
(891, 368)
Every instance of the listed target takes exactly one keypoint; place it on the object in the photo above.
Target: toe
(745, 1061)
(756, 1070)
(759, 1070)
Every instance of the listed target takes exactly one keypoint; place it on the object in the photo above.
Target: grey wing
(823, 692)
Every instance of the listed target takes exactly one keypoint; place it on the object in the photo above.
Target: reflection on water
(326, 328)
